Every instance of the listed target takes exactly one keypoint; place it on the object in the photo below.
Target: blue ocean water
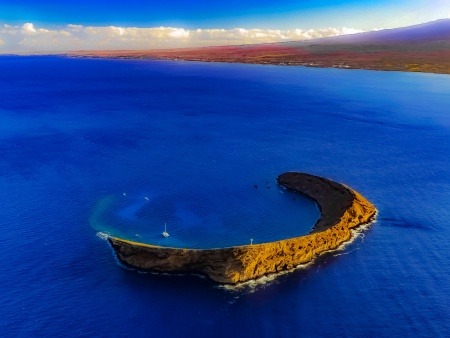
(201, 216)
(194, 139)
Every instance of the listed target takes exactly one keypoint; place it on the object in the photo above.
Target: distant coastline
(437, 62)
(419, 48)
(342, 209)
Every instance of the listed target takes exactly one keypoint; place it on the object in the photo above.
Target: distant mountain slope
(419, 48)
(430, 31)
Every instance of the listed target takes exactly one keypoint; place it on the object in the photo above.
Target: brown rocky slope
(342, 209)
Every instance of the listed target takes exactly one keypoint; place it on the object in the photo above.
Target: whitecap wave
(102, 235)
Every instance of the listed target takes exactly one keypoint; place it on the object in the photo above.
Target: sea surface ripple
(194, 139)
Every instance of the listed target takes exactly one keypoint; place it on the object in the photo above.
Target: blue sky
(29, 24)
(226, 13)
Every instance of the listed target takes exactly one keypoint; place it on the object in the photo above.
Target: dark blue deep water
(124, 146)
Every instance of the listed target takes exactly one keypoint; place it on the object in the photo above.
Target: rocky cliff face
(341, 210)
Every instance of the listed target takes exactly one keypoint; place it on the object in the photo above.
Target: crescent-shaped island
(342, 209)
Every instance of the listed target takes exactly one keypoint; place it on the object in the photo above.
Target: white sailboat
(165, 233)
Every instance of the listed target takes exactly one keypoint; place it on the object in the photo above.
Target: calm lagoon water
(187, 143)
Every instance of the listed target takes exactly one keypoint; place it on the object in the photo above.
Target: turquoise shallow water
(195, 138)
(202, 218)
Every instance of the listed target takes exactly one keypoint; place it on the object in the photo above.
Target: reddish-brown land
(420, 48)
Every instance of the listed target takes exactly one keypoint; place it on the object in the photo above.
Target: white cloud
(179, 33)
(28, 38)
(347, 31)
(28, 28)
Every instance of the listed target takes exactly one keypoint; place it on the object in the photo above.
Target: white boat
(165, 233)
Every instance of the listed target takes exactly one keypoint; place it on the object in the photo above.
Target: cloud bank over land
(30, 38)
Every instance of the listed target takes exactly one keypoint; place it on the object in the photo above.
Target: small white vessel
(165, 233)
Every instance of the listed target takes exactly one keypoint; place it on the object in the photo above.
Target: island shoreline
(342, 210)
